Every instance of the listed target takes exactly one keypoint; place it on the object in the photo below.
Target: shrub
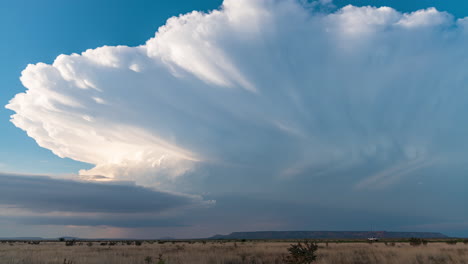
(417, 241)
(160, 259)
(148, 260)
(70, 243)
(452, 242)
(465, 241)
(301, 253)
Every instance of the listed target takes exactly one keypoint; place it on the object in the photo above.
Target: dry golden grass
(233, 253)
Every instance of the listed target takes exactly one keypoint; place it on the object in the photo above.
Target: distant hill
(326, 235)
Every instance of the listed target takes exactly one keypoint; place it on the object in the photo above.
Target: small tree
(301, 253)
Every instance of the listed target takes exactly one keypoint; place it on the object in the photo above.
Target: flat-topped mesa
(327, 235)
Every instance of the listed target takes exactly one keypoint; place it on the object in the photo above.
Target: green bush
(301, 253)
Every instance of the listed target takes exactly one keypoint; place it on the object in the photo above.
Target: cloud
(259, 85)
(46, 201)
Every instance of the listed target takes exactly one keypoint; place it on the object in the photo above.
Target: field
(218, 252)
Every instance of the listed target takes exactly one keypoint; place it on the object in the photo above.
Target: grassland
(220, 252)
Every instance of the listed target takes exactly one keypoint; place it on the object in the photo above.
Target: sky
(232, 116)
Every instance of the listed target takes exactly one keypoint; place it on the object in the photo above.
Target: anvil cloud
(260, 84)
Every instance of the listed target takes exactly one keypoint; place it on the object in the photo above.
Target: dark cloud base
(123, 222)
(44, 194)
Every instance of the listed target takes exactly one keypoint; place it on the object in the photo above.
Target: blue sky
(220, 156)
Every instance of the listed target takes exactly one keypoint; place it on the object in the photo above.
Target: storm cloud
(282, 95)
(258, 83)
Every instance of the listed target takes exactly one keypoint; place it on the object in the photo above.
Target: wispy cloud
(388, 176)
